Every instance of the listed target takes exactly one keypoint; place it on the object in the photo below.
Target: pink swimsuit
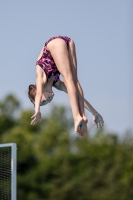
(46, 62)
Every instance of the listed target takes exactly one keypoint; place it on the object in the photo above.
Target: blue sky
(102, 31)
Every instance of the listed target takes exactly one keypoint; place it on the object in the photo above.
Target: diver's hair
(32, 93)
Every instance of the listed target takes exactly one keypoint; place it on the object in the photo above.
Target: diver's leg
(60, 54)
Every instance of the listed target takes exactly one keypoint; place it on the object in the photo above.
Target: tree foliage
(54, 163)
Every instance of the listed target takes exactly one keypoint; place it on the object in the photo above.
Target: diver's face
(46, 98)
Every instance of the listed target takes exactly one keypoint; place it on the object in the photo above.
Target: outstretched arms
(39, 83)
(97, 118)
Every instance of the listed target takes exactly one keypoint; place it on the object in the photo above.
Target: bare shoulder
(39, 71)
(40, 74)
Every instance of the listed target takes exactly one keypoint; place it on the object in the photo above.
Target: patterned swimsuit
(46, 62)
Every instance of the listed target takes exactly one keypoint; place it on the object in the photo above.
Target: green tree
(55, 164)
(9, 107)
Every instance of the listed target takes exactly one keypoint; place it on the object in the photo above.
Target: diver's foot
(80, 126)
(77, 123)
(84, 126)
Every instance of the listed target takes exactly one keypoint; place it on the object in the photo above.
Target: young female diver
(58, 56)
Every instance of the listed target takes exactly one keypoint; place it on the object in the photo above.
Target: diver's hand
(36, 117)
(98, 120)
